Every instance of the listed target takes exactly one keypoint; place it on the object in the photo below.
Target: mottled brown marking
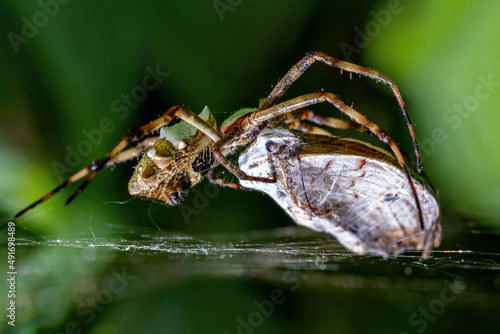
(329, 165)
(362, 162)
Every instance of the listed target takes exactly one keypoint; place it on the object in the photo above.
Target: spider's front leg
(215, 180)
(123, 156)
(298, 69)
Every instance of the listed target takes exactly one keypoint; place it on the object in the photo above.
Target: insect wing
(346, 188)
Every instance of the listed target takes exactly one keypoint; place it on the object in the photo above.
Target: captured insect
(181, 155)
(344, 187)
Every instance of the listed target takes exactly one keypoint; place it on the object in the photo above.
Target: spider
(345, 187)
(183, 154)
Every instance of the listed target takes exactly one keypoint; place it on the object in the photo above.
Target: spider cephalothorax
(178, 160)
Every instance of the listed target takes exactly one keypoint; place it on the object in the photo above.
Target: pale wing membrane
(369, 209)
(345, 188)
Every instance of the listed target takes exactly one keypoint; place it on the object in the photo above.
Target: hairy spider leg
(308, 128)
(302, 65)
(296, 118)
(123, 156)
(314, 98)
(214, 179)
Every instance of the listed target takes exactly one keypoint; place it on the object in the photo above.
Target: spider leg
(316, 118)
(308, 128)
(215, 180)
(298, 69)
(119, 158)
(221, 158)
(315, 98)
(135, 135)
(133, 152)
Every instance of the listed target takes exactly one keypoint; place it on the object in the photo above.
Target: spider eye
(162, 162)
(148, 173)
(182, 145)
(163, 157)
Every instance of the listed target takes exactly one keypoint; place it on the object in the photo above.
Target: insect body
(184, 153)
(344, 187)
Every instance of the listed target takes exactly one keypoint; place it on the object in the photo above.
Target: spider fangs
(184, 153)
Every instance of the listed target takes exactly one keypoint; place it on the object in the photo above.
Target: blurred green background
(68, 65)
